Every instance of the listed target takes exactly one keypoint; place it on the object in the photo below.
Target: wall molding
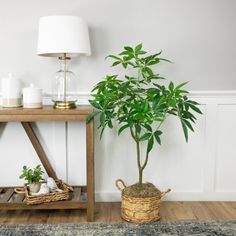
(213, 93)
(84, 96)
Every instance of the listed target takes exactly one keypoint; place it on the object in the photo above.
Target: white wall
(197, 35)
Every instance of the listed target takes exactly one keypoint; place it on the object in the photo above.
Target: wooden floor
(110, 212)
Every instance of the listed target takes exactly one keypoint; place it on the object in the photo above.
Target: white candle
(32, 97)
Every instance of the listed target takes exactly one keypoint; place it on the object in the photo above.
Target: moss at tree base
(141, 191)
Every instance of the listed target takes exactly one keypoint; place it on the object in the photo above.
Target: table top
(47, 113)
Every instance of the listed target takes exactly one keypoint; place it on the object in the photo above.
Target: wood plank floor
(110, 212)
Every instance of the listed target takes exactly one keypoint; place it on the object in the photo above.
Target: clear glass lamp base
(64, 105)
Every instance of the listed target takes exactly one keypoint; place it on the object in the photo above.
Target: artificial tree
(140, 103)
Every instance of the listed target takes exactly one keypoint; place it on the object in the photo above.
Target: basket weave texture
(140, 210)
(50, 197)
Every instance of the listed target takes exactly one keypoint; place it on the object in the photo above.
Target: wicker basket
(139, 210)
(50, 197)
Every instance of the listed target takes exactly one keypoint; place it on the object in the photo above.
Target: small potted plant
(140, 103)
(33, 177)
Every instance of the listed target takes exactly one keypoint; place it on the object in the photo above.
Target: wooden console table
(83, 196)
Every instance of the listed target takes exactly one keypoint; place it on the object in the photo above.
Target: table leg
(90, 170)
(39, 149)
(2, 127)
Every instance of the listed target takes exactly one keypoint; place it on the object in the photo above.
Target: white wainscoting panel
(76, 159)
(225, 171)
(202, 169)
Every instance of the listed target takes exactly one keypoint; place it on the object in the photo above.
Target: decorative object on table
(33, 177)
(32, 97)
(11, 91)
(141, 104)
(63, 37)
(36, 192)
(51, 183)
(44, 189)
(49, 197)
(49, 187)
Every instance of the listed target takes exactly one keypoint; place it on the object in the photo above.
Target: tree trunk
(140, 171)
(140, 176)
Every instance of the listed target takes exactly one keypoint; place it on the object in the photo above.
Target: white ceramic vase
(11, 92)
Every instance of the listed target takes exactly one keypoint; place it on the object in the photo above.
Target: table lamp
(63, 37)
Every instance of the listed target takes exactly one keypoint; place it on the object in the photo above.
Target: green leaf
(193, 102)
(180, 86)
(125, 53)
(95, 104)
(142, 52)
(187, 123)
(146, 136)
(138, 128)
(101, 133)
(162, 59)
(150, 144)
(154, 62)
(129, 49)
(195, 108)
(157, 135)
(102, 119)
(116, 63)
(171, 86)
(149, 71)
(138, 48)
(110, 125)
(91, 116)
(188, 115)
(172, 102)
(145, 106)
(124, 65)
(114, 57)
(185, 130)
(148, 127)
(123, 128)
(182, 91)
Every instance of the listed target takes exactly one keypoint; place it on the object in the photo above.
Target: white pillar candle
(11, 92)
(32, 97)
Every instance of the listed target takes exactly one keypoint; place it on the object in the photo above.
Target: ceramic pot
(34, 187)
(11, 92)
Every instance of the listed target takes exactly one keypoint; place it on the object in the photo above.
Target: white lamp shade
(63, 34)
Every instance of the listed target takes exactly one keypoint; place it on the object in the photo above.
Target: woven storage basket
(139, 210)
(50, 197)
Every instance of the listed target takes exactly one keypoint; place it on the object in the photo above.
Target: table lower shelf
(9, 200)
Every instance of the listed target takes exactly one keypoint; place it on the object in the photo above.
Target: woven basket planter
(50, 197)
(139, 210)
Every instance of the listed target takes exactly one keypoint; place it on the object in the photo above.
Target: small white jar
(32, 97)
(11, 92)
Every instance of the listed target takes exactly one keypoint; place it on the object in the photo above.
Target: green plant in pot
(32, 177)
(141, 103)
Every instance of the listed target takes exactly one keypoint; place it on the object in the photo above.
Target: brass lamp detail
(63, 100)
